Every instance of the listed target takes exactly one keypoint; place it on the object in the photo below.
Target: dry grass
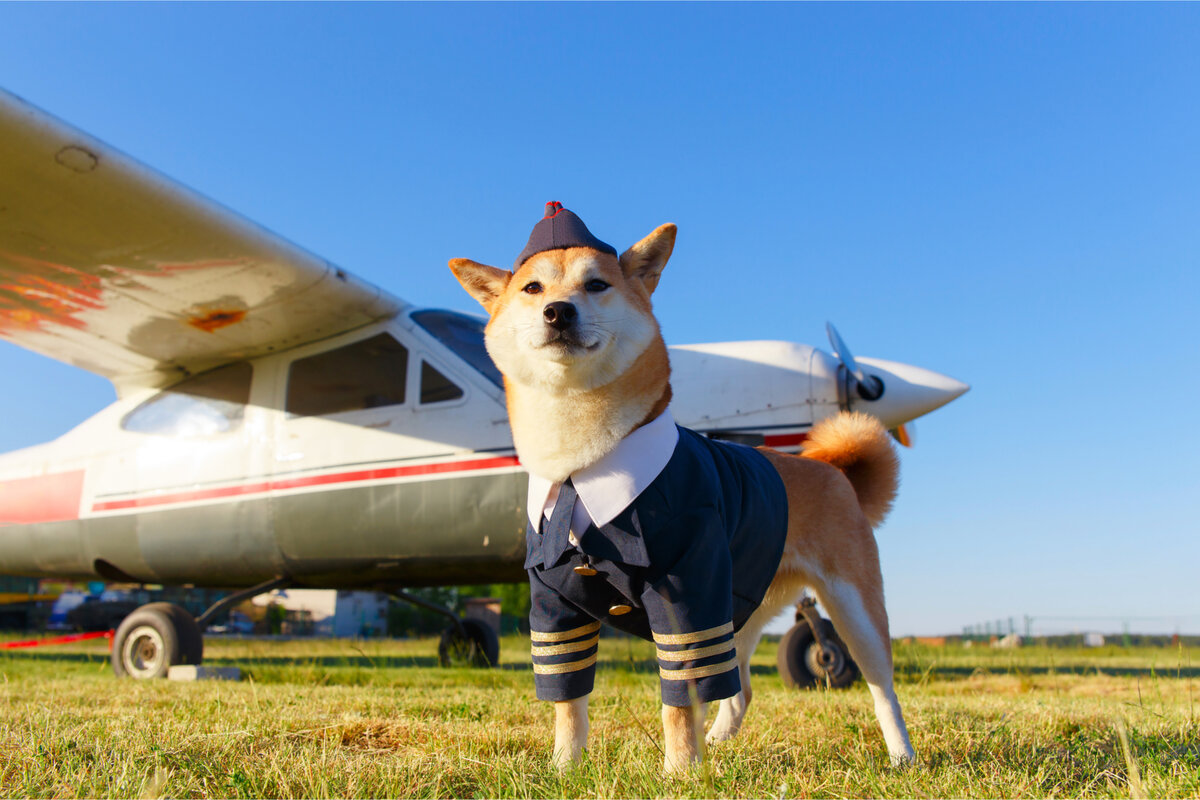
(346, 719)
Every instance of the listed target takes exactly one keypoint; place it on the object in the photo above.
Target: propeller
(869, 386)
(905, 433)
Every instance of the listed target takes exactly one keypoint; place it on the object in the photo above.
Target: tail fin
(857, 444)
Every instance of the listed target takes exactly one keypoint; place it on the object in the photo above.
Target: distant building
(330, 612)
(1093, 640)
(928, 641)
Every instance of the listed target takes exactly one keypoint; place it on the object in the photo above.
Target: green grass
(379, 719)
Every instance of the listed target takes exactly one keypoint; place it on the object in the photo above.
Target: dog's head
(570, 318)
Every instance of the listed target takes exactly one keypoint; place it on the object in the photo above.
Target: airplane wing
(112, 267)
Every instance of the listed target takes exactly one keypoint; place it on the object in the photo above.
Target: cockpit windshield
(463, 334)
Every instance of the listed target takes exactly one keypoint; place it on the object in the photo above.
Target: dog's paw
(566, 760)
(720, 733)
(680, 765)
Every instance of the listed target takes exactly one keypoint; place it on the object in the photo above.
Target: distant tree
(276, 614)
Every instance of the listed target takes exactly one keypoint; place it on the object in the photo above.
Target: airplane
(282, 423)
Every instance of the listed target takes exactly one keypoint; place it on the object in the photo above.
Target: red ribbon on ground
(75, 637)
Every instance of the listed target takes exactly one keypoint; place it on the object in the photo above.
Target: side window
(436, 387)
(464, 335)
(366, 374)
(208, 403)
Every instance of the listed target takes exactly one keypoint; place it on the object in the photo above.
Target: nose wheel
(466, 643)
(474, 644)
(812, 654)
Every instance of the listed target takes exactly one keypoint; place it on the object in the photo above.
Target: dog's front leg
(570, 731)
(681, 729)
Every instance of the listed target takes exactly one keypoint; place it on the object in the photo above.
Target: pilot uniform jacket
(685, 564)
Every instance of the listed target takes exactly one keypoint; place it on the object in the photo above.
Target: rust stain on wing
(44, 291)
(217, 319)
(34, 291)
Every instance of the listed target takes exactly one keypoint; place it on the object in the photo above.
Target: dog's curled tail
(857, 444)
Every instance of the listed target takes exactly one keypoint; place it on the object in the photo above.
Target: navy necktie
(557, 531)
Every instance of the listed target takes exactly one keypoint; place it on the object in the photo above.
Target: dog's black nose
(559, 315)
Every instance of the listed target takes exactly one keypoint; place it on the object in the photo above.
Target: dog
(587, 381)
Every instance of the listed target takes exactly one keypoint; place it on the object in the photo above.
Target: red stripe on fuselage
(785, 440)
(46, 498)
(381, 473)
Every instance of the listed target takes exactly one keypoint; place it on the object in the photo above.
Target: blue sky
(1006, 193)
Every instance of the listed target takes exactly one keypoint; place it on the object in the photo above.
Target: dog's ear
(482, 282)
(646, 259)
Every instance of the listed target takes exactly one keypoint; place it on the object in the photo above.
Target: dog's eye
(532, 288)
(596, 285)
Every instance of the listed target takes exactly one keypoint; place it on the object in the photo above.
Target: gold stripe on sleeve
(696, 672)
(697, 653)
(692, 638)
(582, 630)
(569, 647)
(558, 669)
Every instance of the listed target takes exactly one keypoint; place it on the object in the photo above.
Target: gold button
(585, 570)
(620, 609)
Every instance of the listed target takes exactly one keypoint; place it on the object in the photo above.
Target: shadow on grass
(78, 658)
(904, 673)
(386, 662)
(962, 673)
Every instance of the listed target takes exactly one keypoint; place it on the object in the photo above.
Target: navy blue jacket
(691, 558)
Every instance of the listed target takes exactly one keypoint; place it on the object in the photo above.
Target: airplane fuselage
(380, 456)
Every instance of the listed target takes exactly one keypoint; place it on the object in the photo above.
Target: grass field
(380, 719)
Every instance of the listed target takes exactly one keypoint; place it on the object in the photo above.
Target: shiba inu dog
(655, 529)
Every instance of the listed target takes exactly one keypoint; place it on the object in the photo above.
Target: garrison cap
(558, 230)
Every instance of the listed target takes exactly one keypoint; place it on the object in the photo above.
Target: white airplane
(280, 422)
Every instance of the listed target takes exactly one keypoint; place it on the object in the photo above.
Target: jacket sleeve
(690, 608)
(565, 643)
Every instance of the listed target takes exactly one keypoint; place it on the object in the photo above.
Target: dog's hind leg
(857, 611)
(831, 548)
(733, 709)
(570, 731)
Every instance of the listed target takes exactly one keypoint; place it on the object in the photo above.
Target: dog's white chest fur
(557, 435)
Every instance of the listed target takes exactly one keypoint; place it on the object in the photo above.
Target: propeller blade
(842, 352)
(869, 386)
(904, 433)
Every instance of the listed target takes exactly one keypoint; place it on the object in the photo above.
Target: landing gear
(159, 636)
(812, 653)
(155, 638)
(466, 643)
(473, 645)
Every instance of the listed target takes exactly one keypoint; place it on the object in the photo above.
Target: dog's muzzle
(560, 315)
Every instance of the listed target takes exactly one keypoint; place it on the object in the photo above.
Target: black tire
(481, 648)
(801, 665)
(155, 638)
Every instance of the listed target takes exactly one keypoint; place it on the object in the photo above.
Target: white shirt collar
(607, 487)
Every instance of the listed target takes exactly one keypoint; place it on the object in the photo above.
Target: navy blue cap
(558, 230)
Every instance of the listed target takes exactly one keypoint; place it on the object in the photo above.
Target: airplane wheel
(480, 648)
(802, 664)
(153, 639)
